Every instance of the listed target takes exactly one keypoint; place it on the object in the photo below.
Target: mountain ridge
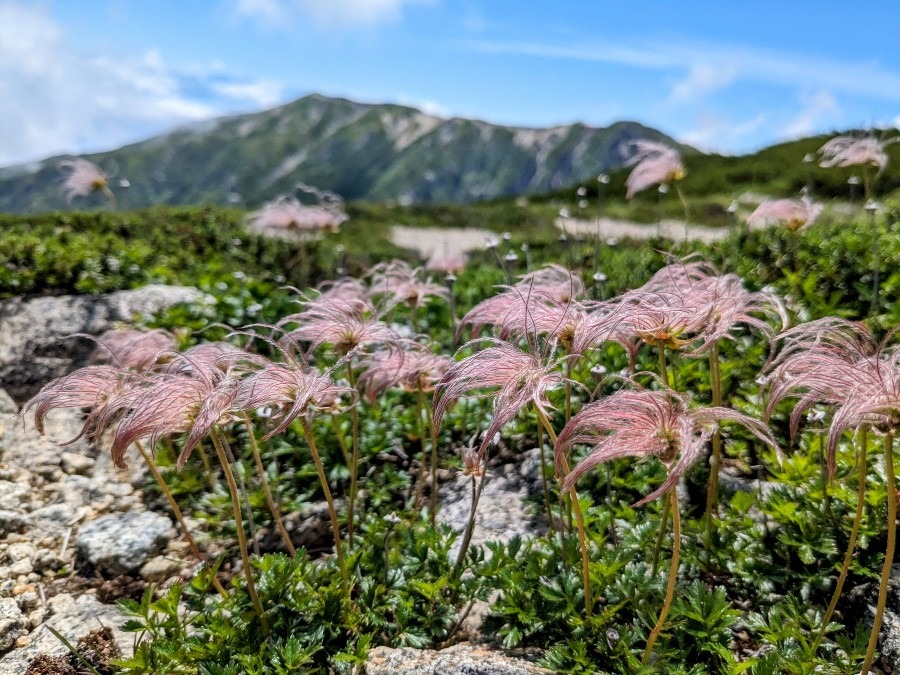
(364, 151)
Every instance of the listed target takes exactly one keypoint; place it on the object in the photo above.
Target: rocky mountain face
(361, 151)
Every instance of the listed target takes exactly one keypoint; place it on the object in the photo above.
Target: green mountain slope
(362, 151)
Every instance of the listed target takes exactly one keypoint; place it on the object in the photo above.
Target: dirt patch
(97, 648)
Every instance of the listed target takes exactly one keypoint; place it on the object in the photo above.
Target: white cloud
(260, 94)
(329, 13)
(55, 98)
(715, 134)
(757, 65)
(702, 79)
(816, 109)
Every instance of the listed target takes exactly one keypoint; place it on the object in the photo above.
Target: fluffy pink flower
(90, 387)
(84, 178)
(346, 324)
(448, 264)
(133, 349)
(843, 151)
(294, 389)
(654, 164)
(409, 365)
(512, 377)
(837, 362)
(400, 284)
(287, 214)
(643, 423)
(791, 213)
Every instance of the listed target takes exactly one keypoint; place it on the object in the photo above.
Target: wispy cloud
(327, 13)
(716, 134)
(702, 79)
(816, 109)
(738, 62)
(55, 98)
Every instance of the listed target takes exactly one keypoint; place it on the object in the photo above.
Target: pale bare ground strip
(443, 241)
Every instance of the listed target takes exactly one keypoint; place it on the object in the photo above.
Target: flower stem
(663, 370)
(270, 501)
(660, 535)
(851, 544)
(715, 462)
(544, 478)
(354, 458)
(239, 525)
(335, 528)
(470, 524)
(673, 576)
(579, 518)
(154, 471)
(888, 554)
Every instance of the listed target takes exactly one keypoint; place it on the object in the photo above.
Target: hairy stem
(715, 462)
(323, 480)
(663, 369)
(158, 477)
(270, 501)
(239, 525)
(579, 518)
(354, 458)
(470, 524)
(660, 535)
(434, 457)
(888, 554)
(851, 544)
(342, 442)
(243, 491)
(544, 478)
(673, 576)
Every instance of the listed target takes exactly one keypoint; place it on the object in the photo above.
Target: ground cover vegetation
(715, 425)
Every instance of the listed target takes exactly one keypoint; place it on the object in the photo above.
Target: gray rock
(13, 623)
(33, 332)
(121, 543)
(75, 463)
(503, 509)
(7, 405)
(161, 568)
(12, 521)
(73, 618)
(461, 659)
(862, 601)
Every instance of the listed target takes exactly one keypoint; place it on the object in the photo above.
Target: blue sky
(726, 76)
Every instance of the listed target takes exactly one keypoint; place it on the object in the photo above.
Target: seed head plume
(133, 349)
(643, 423)
(452, 264)
(90, 387)
(84, 178)
(410, 365)
(345, 323)
(654, 164)
(844, 151)
(399, 284)
(791, 213)
(512, 377)
(286, 215)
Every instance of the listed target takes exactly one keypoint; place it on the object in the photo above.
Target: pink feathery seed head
(791, 213)
(513, 377)
(844, 151)
(725, 304)
(168, 405)
(409, 365)
(555, 281)
(654, 164)
(398, 284)
(133, 349)
(344, 322)
(294, 389)
(84, 178)
(288, 214)
(216, 409)
(451, 264)
(199, 360)
(662, 319)
(643, 423)
(87, 387)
